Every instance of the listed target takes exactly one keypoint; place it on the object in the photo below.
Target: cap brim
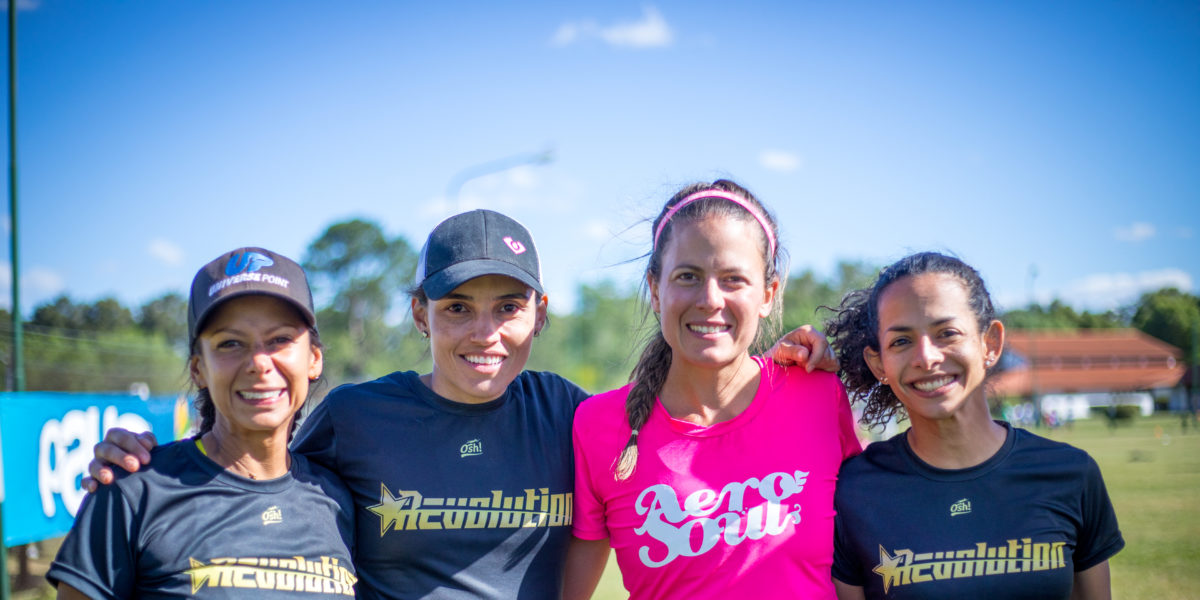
(438, 285)
(212, 308)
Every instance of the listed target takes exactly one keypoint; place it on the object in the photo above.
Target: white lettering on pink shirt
(665, 516)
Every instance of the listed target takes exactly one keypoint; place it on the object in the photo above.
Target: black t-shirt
(452, 500)
(183, 527)
(1019, 525)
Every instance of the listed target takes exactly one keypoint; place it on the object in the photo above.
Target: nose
(928, 354)
(711, 296)
(261, 360)
(485, 329)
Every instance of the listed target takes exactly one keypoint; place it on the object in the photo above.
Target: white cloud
(651, 31)
(779, 160)
(1135, 232)
(597, 230)
(569, 33)
(38, 284)
(42, 282)
(166, 252)
(524, 176)
(23, 5)
(1105, 291)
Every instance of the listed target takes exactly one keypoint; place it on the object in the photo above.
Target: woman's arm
(805, 346)
(585, 564)
(1092, 584)
(846, 591)
(66, 592)
(120, 447)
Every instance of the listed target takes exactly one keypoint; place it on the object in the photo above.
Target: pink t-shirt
(740, 509)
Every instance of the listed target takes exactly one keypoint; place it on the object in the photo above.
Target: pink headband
(730, 196)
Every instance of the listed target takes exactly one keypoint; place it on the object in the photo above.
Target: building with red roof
(1073, 371)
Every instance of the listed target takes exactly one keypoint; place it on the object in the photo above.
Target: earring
(884, 381)
(424, 334)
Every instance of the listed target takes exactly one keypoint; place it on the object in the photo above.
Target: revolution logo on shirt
(672, 523)
(908, 568)
(296, 574)
(409, 509)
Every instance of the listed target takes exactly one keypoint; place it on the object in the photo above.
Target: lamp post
(453, 188)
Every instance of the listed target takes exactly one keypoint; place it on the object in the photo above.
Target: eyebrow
(936, 323)
(513, 296)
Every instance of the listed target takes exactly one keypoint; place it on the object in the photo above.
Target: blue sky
(1060, 136)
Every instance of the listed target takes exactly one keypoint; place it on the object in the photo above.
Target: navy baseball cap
(245, 271)
(473, 244)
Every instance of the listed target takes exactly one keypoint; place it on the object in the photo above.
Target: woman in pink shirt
(712, 473)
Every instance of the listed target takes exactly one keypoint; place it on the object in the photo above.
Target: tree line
(360, 278)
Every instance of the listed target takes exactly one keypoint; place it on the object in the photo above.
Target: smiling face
(256, 359)
(932, 351)
(480, 336)
(711, 291)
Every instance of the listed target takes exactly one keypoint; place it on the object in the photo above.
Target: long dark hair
(855, 326)
(650, 372)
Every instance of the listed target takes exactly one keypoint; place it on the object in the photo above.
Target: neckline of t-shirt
(690, 429)
(442, 403)
(267, 486)
(979, 470)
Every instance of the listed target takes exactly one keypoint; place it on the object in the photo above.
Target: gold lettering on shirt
(409, 510)
(906, 568)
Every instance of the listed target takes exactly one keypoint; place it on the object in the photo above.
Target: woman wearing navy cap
(230, 512)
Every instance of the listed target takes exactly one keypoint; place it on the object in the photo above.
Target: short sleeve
(98, 556)
(846, 567)
(589, 522)
(847, 431)
(1099, 536)
(317, 438)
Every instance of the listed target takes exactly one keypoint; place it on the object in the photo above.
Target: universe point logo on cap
(247, 262)
(244, 267)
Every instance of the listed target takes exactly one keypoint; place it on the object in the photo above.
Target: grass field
(1153, 475)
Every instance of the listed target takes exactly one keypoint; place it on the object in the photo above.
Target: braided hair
(650, 372)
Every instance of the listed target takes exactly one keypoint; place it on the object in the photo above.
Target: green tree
(597, 344)
(107, 314)
(1060, 316)
(359, 271)
(1171, 316)
(73, 346)
(60, 313)
(166, 316)
(805, 293)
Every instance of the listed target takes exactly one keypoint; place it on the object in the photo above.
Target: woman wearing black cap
(462, 477)
(230, 512)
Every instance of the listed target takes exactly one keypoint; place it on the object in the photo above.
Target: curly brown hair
(855, 326)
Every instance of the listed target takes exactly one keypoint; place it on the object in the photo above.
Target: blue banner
(46, 441)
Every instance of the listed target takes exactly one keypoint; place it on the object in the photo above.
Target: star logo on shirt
(888, 567)
(395, 509)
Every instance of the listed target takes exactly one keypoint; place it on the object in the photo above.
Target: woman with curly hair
(959, 505)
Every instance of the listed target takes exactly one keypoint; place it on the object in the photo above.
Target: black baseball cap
(245, 271)
(473, 244)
